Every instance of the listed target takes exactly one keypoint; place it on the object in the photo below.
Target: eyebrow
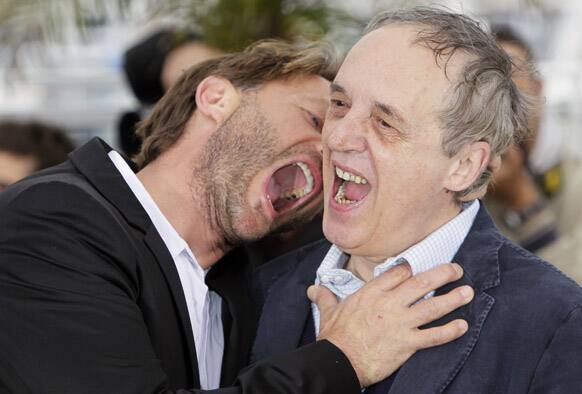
(389, 111)
(335, 88)
(385, 108)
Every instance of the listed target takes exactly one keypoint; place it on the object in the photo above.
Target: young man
(419, 109)
(113, 281)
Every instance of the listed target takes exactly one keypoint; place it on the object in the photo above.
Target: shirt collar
(437, 248)
(168, 233)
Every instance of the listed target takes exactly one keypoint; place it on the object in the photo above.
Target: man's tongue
(283, 183)
(355, 191)
(289, 177)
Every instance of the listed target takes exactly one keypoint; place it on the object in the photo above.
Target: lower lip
(342, 207)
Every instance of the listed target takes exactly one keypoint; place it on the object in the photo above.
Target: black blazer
(91, 301)
(525, 322)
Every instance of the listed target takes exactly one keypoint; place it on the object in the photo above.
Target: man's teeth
(301, 191)
(308, 176)
(346, 176)
(339, 197)
(294, 194)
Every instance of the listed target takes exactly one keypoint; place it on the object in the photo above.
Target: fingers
(391, 278)
(419, 285)
(437, 336)
(324, 299)
(434, 308)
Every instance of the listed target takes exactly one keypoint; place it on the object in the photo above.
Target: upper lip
(348, 169)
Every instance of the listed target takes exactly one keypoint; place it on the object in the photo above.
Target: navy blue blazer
(525, 322)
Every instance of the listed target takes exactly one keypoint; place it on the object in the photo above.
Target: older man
(419, 109)
(113, 281)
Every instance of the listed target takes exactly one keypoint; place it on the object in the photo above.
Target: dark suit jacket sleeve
(69, 317)
(317, 368)
(559, 370)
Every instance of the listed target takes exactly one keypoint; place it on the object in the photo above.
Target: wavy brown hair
(262, 62)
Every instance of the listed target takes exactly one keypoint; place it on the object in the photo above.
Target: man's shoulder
(59, 201)
(536, 282)
(512, 274)
(58, 222)
(55, 187)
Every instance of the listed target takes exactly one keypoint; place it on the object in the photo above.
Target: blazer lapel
(230, 278)
(432, 370)
(92, 161)
(158, 248)
(286, 309)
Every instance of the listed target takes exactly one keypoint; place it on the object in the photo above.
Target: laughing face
(384, 170)
(262, 165)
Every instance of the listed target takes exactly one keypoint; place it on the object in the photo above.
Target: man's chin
(342, 237)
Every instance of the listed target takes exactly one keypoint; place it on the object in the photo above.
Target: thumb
(324, 299)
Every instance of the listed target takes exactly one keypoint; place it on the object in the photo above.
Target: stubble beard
(241, 147)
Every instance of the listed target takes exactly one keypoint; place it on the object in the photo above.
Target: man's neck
(171, 187)
(363, 266)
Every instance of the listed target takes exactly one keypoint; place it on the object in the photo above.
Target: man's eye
(383, 124)
(316, 122)
(338, 103)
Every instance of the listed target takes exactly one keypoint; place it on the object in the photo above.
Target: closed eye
(313, 119)
(317, 122)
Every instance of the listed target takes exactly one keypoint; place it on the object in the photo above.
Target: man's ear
(216, 98)
(468, 165)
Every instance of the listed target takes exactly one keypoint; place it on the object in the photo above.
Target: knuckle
(419, 281)
(399, 271)
(451, 270)
(432, 308)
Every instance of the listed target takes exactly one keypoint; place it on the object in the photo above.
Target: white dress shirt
(437, 248)
(204, 306)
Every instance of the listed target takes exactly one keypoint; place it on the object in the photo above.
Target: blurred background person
(518, 199)
(29, 147)
(536, 208)
(151, 67)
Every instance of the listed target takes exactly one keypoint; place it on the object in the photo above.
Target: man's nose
(347, 135)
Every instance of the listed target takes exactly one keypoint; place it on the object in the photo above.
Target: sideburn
(241, 147)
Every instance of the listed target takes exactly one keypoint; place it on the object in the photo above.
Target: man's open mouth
(349, 188)
(291, 185)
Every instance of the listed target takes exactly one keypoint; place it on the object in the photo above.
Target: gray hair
(484, 104)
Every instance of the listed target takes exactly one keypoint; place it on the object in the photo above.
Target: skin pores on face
(382, 126)
(276, 126)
